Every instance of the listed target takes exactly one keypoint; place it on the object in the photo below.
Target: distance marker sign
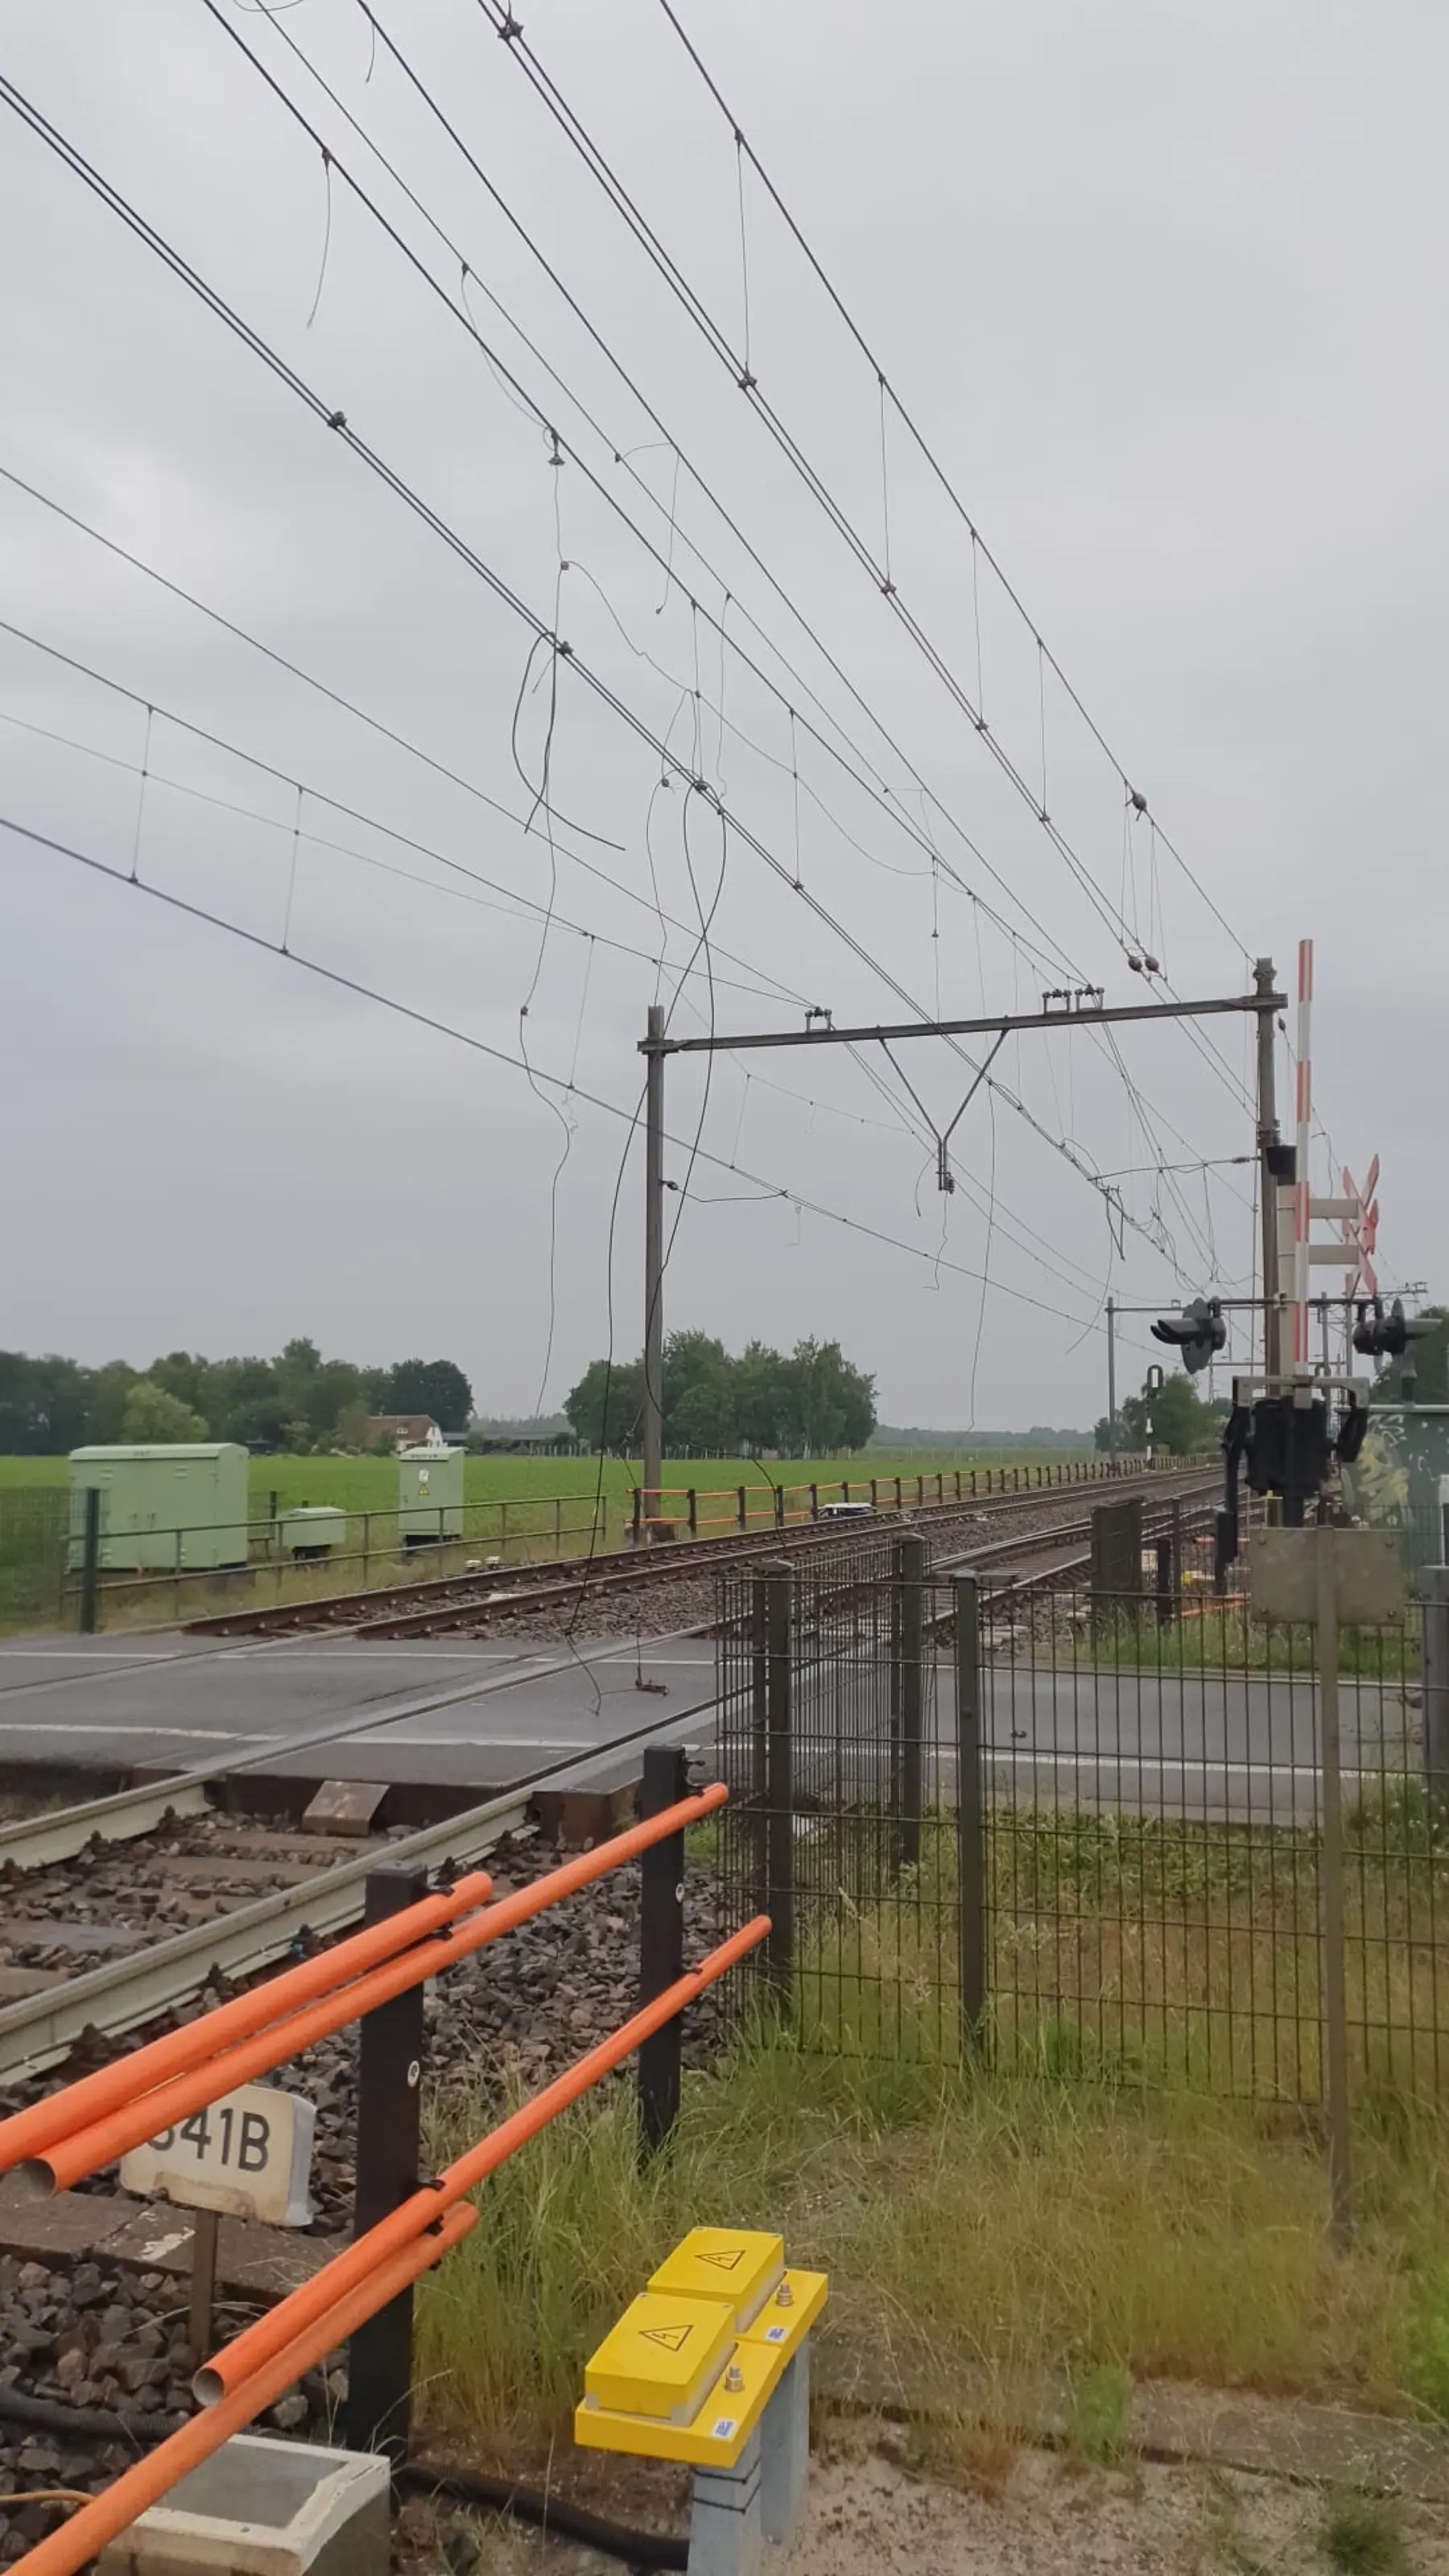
(248, 2155)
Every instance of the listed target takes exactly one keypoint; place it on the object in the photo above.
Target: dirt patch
(870, 2517)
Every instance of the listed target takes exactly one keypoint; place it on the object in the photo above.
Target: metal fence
(34, 1526)
(1080, 1828)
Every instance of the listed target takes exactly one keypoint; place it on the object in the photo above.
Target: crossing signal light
(1387, 1336)
(1199, 1332)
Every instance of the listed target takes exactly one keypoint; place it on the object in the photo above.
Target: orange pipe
(77, 2152)
(25, 2133)
(252, 2349)
(81, 2539)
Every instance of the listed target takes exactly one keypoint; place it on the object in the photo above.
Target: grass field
(515, 1509)
(370, 1484)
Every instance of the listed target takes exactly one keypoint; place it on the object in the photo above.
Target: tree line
(298, 1401)
(808, 1403)
(1175, 1418)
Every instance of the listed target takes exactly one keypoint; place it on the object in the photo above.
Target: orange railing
(90, 2122)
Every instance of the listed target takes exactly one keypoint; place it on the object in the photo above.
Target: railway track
(435, 1606)
(79, 1918)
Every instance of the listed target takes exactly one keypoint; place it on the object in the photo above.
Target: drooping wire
(337, 422)
(326, 235)
(141, 795)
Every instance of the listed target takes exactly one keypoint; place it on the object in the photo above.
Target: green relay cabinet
(429, 1494)
(184, 1505)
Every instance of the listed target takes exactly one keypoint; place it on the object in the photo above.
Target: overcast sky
(1161, 286)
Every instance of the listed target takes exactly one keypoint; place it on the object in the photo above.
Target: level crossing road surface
(476, 1715)
(481, 1714)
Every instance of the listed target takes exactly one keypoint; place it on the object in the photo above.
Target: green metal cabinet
(429, 1494)
(184, 1505)
(312, 1529)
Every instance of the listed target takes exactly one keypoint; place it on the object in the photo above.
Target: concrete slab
(260, 2507)
(150, 2236)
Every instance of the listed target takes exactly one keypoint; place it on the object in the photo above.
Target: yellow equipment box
(738, 2265)
(661, 2358)
(786, 2319)
(722, 2426)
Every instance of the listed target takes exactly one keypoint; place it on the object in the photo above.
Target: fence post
(898, 1493)
(692, 1507)
(815, 1502)
(1335, 1999)
(366, 1547)
(910, 1628)
(378, 2413)
(875, 1493)
(779, 1507)
(558, 1524)
(661, 1943)
(1434, 1590)
(958, 1484)
(638, 1505)
(90, 1582)
(970, 1815)
(744, 1509)
(779, 1784)
(1166, 1588)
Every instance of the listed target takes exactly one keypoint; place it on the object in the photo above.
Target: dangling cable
(141, 798)
(292, 879)
(326, 236)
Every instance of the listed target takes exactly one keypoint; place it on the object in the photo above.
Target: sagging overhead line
(336, 422)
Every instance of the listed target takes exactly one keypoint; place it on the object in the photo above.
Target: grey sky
(1161, 285)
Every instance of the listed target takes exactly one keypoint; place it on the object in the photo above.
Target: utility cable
(319, 796)
(909, 424)
(336, 421)
(519, 393)
(500, 1055)
(717, 339)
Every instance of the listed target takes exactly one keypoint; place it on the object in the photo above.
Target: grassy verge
(984, 2237)
(1131, 1949)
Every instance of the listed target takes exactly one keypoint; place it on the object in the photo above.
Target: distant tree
(1102, 1436)
(351, 1426)
(106, 1391)
(435, 1387)
(44, 1405)
(153, 1415)
(1175, 1419)
(604, 1409)
(188, 1379)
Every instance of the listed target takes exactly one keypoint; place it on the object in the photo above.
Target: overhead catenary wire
(718, 340)
(513, 895)
(484, 1047)
(928, 455)
(519, 394)
(336, 422)
(622, 456)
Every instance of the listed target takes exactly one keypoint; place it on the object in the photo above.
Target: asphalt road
(479, 1715)
(475, 1715)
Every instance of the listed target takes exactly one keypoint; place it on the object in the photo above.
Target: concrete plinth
(785, 2453)
(725, 2534)
(260, 2507)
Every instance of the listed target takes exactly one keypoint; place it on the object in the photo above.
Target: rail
(97, 2118)
(143, 1574)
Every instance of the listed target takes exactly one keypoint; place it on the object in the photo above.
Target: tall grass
(1131, 1948)
(987, 2238)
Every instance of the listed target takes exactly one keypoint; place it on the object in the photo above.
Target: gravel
(90, 2334)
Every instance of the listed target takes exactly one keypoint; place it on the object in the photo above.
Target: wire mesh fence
(34, 1526)
(1079, 1824)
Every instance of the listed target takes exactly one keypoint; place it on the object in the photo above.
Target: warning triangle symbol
(673, 2338)
(728, 2261)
